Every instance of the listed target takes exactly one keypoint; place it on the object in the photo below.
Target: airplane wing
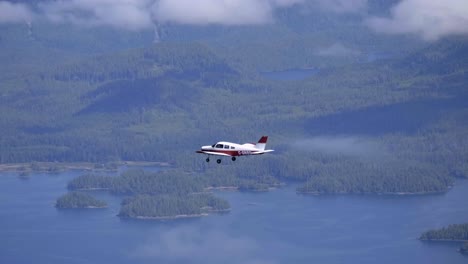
(262, 152)
(213, 153)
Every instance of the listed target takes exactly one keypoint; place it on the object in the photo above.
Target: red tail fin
(262, 143)
(263, 140)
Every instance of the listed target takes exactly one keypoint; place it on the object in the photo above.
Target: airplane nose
(205, 147)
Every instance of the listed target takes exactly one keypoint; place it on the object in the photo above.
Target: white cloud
(343, 145)
(226, 12)
(241, 12)
(127, 14)
(191, 245)
(14, 13)
(213, 11)
(429, 19)
(142, 14)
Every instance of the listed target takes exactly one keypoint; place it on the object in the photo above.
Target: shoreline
(445, 240)
(56, 167)
(86, 207)
(181, 216)
(373, 193)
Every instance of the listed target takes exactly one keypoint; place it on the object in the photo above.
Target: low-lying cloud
(126, 14)
(191, 245)
(14, 13)
(429, 19)
(349, 146)
(214, 11)
(143, 14)
(241, 12)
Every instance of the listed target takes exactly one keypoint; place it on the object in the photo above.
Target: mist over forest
(356, 97)
(154, 80)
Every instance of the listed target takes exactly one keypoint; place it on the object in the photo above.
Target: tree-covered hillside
(75, 99)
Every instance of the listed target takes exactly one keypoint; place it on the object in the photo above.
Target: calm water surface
(274, 227)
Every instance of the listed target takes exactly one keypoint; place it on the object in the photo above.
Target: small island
(79, 200)
(355, 178)
(167, 194)
(172, 206)
(457, 232)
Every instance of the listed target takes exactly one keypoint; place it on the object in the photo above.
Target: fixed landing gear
(219, 160)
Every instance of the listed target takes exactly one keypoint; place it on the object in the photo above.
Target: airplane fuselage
(233, 150)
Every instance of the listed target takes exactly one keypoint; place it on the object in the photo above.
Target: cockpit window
(226, 146)
(219, 146)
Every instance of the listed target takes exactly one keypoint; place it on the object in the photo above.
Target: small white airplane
(233, 150)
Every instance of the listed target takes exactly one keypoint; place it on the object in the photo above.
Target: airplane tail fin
(262, 143)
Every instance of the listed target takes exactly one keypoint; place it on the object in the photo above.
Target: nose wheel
(219, 160)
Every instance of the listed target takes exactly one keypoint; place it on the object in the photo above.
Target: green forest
(388, 116)
(167, 206)
(165, 194)
(451, 232)
(454, 232)
(79, 200)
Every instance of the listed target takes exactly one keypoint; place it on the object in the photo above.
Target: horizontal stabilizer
(262, 152)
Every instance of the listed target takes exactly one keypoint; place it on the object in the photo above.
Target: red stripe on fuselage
(229, 152)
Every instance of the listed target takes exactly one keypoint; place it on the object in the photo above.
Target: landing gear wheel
(207, 159)
(218, 161)
(233, 158)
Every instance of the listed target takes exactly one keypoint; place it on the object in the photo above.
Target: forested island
(172, 206)
(380, 178)
(455, 232)
(79, 200)
(156, 195)
(139, 181)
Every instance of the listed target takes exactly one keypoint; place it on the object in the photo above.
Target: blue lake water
(274, 227)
